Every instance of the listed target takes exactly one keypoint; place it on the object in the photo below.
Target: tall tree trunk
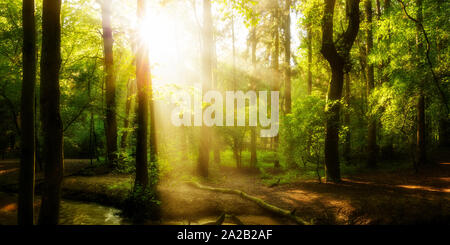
(215, 138)
(444, 132)
(309, 43)
(91, 121)
(385, 75)
(237, 158)
(347, 144)
(184, 143)
(287, 56)
(338, 62)
(372, 127)
(203, 156)
(444, 122)
(253, 156)
(236, 138)
(53, 157)
(126, 121)
(25, 210)
(111, 121)
(152, 134)
(276, 71)
(309, 85)
(38, 160)
(421, 127)
(142, 81)
(216, 151)
(233, 39)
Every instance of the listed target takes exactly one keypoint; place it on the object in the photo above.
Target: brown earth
(400, 197)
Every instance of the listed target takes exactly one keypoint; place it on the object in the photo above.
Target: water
(81, 213)
(88, 213)
(71, 213)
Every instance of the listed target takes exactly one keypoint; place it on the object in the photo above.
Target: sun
(172, 37)
(157, 31)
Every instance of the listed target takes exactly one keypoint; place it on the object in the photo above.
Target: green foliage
(302, 132)
(141, 204)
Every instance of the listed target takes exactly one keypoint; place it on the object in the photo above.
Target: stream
(71, 213)
(89, 213)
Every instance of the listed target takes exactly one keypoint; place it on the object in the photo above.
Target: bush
(142, 204)
(303, 131)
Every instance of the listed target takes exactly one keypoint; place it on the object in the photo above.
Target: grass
(269, 175)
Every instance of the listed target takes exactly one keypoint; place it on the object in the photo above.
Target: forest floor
(376, 197)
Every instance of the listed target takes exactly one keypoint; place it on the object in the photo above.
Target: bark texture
(25, 210)
(204, 146)
(372, 126)
(142, 81)
(52, 129)
(337, 55)
(111, 121)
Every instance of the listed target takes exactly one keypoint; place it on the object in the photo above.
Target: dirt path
(401, 197)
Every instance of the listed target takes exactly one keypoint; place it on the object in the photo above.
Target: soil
(399, 197)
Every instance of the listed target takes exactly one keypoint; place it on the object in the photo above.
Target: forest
(224, 112)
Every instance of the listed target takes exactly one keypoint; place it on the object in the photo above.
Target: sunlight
(159, 32)
(9, 207)
(154, 112)
(425, 188)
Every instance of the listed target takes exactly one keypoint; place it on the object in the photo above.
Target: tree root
(273, 209)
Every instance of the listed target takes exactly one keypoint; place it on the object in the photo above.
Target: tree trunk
(266, 206)
(153, 145)
(444, 133)
(236, 138)
(276, 71)
(25, 205)
(309, 43)
(142, 81)
(126, 121)
(372, 128)
(203, 156)
(309, 85)
(216, 152)
(53, 157)
(287, 57)
(38, 160)
(111, 122)
(236, 153)
(253, 156)
(421, 127)
(347, 144)
(338, 62)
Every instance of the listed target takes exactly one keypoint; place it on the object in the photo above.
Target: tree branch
(430, 64)
(261, 203)
(76, 116)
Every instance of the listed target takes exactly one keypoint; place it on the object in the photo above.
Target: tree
(203, 154)
(347, 143)
(372, 127)
(142, 81)
(254, 41)
(287, 56)
(421, 127)
(309, 44)
(50, 112)
(337, 55)
(25, 210)
(111, 121)
(276, 65)
(126, 120)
